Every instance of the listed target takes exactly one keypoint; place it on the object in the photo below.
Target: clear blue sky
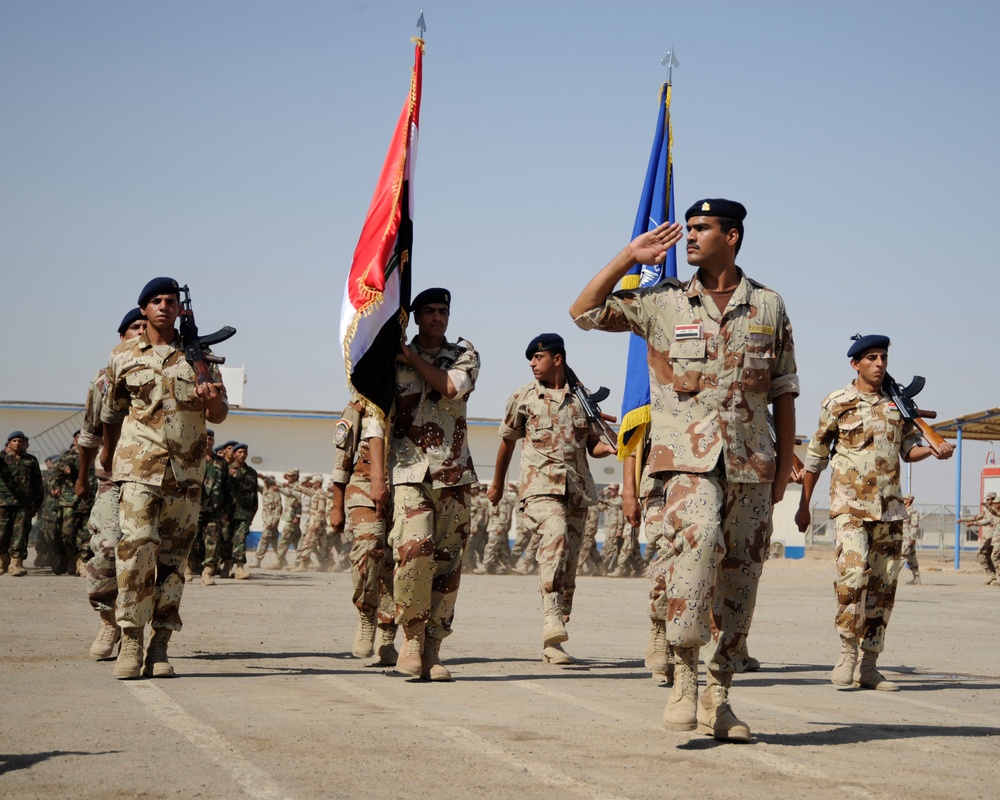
(235, 146)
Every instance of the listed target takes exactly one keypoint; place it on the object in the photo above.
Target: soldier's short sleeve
(818, 451)
(116, 399)
(784, 379)
(371, 428)
(622, 311)
(513, 425)
(911, 438)
(92, 427)
(465, 371)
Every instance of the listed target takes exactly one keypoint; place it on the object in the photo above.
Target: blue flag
(656, 206)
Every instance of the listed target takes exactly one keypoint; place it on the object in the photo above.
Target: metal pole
(958, 497)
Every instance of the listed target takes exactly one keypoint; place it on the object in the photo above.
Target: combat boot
(206, 576)
(914, 579)
(301, 566)
(990, 578)
(129, 662)
(107, 637)
(867, 677)
(4, 563)
(681, 713)
(256, 561)
(657, 659)
(226, 570)
(364, 638)
(715, 716)
(843, 672)
(410, 660)
(553, 629)
(554, 654)
(17, 569)
(241, 573)
(431, 666)
(157, 665)
(386, 652)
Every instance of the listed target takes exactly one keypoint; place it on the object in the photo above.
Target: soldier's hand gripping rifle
(594, 414)
(194, 345)
(903, 398)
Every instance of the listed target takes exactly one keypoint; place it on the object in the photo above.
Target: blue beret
(210, 432)
(543, 342)
(428, 296)
(230, 443)
(158, 286)
(862, 343)
(133, 315)
(240, 446)
(16, 435)
(717, 207)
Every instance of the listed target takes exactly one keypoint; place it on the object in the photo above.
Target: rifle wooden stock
(934, 439)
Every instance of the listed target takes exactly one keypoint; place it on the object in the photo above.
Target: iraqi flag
(377, 294)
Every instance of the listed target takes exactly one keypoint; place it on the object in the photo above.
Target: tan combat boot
(410, 661)
(301, 566)
(17, 569)
(867, 677)
(431, 667)
(843, 672)
(553, 629)
(681, 713)
(241, 573)
(107, 637)
(157, 665)
(4, 563)
(129, 662)
(206, 576)
(658, 655)
(715, 716)
(364, 637)
(386, 654)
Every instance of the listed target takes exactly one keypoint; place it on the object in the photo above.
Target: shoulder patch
(340, 434)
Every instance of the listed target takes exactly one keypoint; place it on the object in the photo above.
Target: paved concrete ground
(270, 704)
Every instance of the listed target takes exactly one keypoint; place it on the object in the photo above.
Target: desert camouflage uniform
(314, 539)
(614, 530)
(988, 518)
(496, 557)
(590, 556)
(371, 565)
(556, 487)
(20, 499)
(911, 529)
(159, 464)
(270, 517)
(291, 521)
(867, 434)
(711, 455)
(479, 517)
(431, 468)
(243, 489)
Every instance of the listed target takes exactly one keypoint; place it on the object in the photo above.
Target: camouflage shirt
(162, 418)
(352, 458)
(501, 513)
(614, 516)
(243, 487)
(555, 430)
(987, 518)
(92, 428)
(866, 433)
(479, 509)
(20, 481)
(293, 508)
(429, 435)
(270, 504)
(911, 525)
(66, 470)
(215, 500)
(711, 375)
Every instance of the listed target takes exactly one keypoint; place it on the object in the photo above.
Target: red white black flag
(377, 295)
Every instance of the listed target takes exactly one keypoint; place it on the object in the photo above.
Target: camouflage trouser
(67, 543)
(910, 555)
(268, 538)
(15, 525)
(45, 532)
(102, 579)
(224, 546)
(995, 555)
(290, 536)
(210, 536)
(558, 526)
(522, 538)
(985, 555)
(371, 567)
(868, 564)
(709, 559)
(475, 550)
(589, 554)
(428, 538)
(609, 552)
(241, 528)
(496, 555)
(158, 524)
(313, 543)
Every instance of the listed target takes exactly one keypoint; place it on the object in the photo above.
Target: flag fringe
(631, 281)
(633, 420)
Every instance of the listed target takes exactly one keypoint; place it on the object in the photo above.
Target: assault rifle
(797, 465)
(194, 345)
(590, 400)
(903, 398)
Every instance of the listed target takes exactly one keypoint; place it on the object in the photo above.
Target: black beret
(543, 342)
(16, 435)
(241, 446)
(133, 315)
(230, 443)
(210, 432)
(717, 207)
(428, 296)
(862, 343)
(158, 286)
